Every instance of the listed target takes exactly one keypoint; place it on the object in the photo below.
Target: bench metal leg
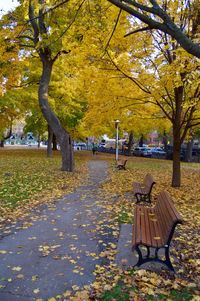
(144, 259)
(148, 252)
(168, 261)
(142, 198)
(140, 258)
(121, 167)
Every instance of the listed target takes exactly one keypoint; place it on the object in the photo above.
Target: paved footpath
(57, 248)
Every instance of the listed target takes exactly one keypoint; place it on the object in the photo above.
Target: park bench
(154, 228)
(121, 164)
(142, 191)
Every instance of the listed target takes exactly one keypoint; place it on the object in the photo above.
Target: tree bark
(165, 141)
(2, 143)
(52, 120)
(189, 150)
(130, 143)
(176, 175)
(39, 140)
(141, 142)
(54, 141)
(49, 147)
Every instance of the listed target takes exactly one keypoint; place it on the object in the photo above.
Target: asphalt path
(57, 248)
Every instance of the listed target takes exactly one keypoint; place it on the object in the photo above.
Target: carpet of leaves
(25, 183)
(27, 179)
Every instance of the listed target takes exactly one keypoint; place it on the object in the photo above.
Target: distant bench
(121, 164)
(154, 228)
(142, 191)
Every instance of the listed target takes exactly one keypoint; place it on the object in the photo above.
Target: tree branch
(59, 54)
(167, 26)
(137, 30)
(114, 28)
(138, 84)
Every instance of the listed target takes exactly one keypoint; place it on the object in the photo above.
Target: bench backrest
(149, 182)
(168, 216)
(121, 162)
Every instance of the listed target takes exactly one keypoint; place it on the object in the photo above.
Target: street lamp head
(117, 122)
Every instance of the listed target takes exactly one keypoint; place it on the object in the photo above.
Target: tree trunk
(39, 140)
(49, 147)
(54, 141)
(61, 134)
(130, 143)
(165, 141)
(141, 142)
(7, 136)
(189, 150)
(176, 176)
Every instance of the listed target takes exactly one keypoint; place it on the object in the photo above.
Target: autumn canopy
(76, 66)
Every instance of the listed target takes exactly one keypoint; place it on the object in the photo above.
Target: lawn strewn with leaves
(28, 177)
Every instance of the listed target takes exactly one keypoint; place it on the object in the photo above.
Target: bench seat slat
(154, 227)
(148, 236)
(138, 188)
(147, 230)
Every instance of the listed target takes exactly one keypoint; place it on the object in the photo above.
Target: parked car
(80, 146)
(158, 152)
(142, 151)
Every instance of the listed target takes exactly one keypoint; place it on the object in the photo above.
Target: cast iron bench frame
(121, 164)
(154, 228)
(142, 191)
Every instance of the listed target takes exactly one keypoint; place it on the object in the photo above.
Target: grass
(28, 178)
(28, 175)
(123, 293)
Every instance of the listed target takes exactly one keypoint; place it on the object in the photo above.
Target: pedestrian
(94, 149)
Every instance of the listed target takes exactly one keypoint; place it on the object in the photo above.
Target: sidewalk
(57, 248)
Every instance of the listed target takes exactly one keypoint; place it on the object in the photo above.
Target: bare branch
(137, 30)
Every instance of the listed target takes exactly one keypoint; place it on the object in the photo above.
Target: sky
(6, 5)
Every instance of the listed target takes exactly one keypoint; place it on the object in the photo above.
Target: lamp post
(117, 138)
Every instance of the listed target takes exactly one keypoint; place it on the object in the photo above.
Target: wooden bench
(154, 228)
(142, 191)
(121, 164)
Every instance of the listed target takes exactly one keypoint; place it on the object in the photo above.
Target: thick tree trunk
(54, 141)
(49, 147)
(61, 134)
(6, 137)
